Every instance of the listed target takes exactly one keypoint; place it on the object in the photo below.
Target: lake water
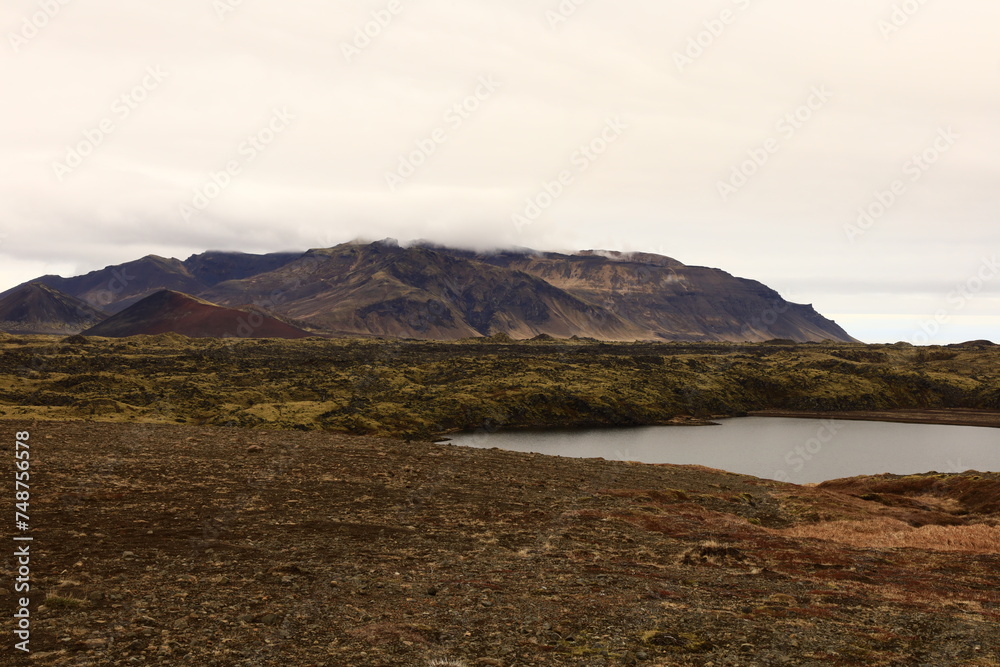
(794, 450)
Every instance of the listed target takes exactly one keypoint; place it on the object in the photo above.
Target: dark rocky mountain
(35, 308)
(673, 301)
(384, 290)
(432, 292)
(167, 311)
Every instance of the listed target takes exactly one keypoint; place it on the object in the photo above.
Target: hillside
(172, 312)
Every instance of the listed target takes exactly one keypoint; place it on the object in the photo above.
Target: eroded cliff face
(672, 301)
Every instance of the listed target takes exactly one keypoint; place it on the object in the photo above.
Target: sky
(842, 153)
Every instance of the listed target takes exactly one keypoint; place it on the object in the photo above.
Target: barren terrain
(165, 544)
(273, 502)
(419, 390)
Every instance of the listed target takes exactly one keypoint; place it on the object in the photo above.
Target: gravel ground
(162, 545)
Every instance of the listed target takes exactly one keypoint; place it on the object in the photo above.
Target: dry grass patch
(64, 602)
(886, 533)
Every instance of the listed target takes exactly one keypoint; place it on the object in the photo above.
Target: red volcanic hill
(167, 311)
(38, 309)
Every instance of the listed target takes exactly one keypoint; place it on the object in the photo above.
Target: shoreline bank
(945, 417)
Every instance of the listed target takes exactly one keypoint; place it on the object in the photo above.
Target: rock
(655, 638)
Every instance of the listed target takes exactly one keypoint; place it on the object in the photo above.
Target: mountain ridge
(36, 308)
(429, 291)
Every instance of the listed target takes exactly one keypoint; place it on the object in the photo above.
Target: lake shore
(946, 417)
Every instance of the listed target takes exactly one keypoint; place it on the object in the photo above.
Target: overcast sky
(740, 134)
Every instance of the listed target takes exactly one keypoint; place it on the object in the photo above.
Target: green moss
(415, 388)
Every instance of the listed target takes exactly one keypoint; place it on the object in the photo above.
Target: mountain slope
(114, 288)
(173, 312)
(35, 308)
(673, 301)
(214, 267)
(382, 289)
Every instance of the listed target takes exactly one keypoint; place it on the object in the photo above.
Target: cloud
(323, 178)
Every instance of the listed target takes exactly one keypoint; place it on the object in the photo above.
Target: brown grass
(65, 602)
(891, 533)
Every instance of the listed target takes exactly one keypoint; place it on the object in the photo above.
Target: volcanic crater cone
(167, 311)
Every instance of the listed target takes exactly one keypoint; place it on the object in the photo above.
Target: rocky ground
(181, 544)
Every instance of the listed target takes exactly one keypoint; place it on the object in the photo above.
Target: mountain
(432, 292)
(676, 302)
(214, 267)
(35, 308)
(114, 288)
(167, 311)
(385, 290)
(428, 291)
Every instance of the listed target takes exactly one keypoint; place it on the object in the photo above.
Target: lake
(795, 450)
